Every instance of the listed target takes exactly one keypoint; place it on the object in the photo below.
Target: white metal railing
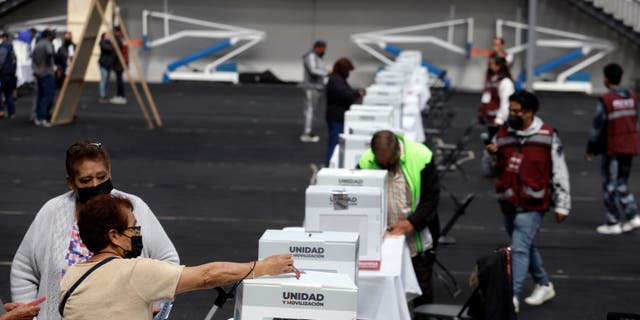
(591, 50)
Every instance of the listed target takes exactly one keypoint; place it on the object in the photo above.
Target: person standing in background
(315, 73)
(42, 64)
(615, 136)
(340, 96)
(8, 80)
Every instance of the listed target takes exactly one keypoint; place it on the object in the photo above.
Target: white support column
(531, 39)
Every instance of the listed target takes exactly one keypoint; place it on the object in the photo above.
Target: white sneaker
(41, 123)
(118, 100)
(631, 224)
(309, 137)
(610, 229)
(516, 304)
(541, 294)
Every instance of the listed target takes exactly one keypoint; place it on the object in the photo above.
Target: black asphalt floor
(227, 164)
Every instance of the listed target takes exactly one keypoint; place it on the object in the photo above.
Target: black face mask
(516, 122)
(321, 54)
(85, 194)
(67, 42)
(136, 247)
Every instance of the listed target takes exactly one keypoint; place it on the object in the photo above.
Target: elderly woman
(52, 243)
(121, 286)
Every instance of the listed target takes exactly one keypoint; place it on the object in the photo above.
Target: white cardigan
(37, 266)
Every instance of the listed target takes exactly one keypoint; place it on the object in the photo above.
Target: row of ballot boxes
(345, 212)
(345, 222)
(394, 102)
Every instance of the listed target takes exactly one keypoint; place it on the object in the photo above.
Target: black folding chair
(459, 210)
(450, 157)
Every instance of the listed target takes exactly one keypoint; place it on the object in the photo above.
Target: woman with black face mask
(340, 96)
(113, 285)
(52, 244)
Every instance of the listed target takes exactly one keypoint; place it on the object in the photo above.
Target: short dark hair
(48, 33)
(613, 73)
(526, 99)
(100, 215)
(320, 44)
(385, 140)
(85, 150)
(4, 35)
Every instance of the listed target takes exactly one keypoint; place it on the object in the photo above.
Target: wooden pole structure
(136, 63)
(124, 65)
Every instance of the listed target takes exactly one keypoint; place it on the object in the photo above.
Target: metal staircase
(623, 16)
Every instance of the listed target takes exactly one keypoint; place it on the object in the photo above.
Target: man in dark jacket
(7, 76)
(340, 96)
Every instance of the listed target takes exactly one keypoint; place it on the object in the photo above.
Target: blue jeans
(104, 79)
(46, 90)
(525, 258)
(335, 129)
(615, 171)
(7, 85)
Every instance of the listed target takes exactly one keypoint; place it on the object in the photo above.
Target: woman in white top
(123, 286)
(494, 109)
(52, 243)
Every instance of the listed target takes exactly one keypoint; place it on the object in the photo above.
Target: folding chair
(491, 298)
(450, 157)
(459, 210)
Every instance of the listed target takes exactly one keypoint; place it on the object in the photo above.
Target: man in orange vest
(615, 136)
(532, 178)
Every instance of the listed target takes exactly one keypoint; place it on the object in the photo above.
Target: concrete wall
(292, 25)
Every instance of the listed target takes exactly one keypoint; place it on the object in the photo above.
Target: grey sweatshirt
(315, 71)
(42, 58)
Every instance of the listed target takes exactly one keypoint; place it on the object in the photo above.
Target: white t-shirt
(120, 289)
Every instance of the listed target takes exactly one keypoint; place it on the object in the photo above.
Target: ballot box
(378, 94)
(327, 251)
(349, 209)
(356, 178)
(391, 78)
(334, 161)
(410, 57)
(351, 149)
(380, 118)
(316, 295)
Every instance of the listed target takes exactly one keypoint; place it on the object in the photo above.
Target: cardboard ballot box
(373, 108)
(350, 209)
(316, 295)
(351, 149)
(380, 118)
(328, 251)
(386, 95)
(356, 178)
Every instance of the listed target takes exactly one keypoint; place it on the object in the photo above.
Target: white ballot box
(381, 118)
(386, 95)
(367, 109)
(410, 57)
(350, 209)
(391, 78)
(334, 161)
(356, 178)
(327, 251)
(351, 149)
(316, 295)
(369, 130)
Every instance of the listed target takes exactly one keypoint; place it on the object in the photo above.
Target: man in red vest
(615, 136)
(532, 177)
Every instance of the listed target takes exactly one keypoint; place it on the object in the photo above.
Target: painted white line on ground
(227, 220)
(11, 213)
(574, 278)
(5, 263)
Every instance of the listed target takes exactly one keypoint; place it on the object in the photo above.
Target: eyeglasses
(135, 229)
